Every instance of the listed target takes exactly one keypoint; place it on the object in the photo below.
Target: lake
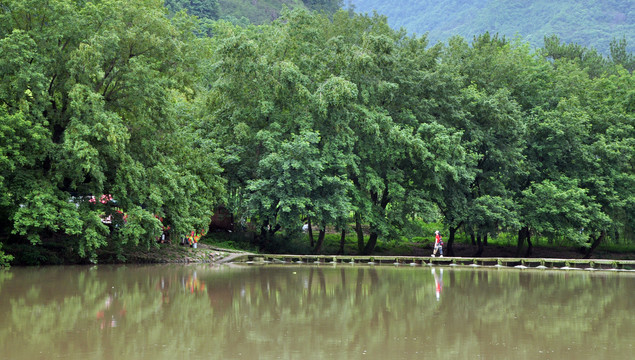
(338, 311)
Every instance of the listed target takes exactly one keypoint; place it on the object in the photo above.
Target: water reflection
(438, 282)
(313, 312)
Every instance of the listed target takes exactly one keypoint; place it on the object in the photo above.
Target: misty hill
(591, 23)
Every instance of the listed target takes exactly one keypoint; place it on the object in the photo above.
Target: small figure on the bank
(438, 244)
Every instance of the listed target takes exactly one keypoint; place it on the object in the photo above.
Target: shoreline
(519, 263)
(493, 254)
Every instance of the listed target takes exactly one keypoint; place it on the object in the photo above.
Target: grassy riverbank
(502, 246)
(216, 246)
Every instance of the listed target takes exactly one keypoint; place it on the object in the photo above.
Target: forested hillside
(248, 12)
(121, 121)
(257, 12)
(591, 23)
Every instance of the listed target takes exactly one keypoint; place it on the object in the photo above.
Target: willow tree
(90, 94)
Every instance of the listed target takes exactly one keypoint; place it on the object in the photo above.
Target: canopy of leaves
(332, 118)
(265, 11)
(90, 105)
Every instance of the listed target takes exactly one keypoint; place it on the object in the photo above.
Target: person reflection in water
(438, 282)
(113, 308)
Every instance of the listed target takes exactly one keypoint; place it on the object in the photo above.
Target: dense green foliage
(265, 11)
(591, 23)
(94, 100)
(203, 9)
(245, 13)
(331, 119)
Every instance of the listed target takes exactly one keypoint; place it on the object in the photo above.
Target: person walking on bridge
(438, 244)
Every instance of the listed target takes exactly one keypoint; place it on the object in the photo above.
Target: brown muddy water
(314, 312)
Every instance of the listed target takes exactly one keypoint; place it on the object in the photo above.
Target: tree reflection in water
(313, 312)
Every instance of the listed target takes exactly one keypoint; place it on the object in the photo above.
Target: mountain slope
(245, 12)
(590, 23)
(257, 11)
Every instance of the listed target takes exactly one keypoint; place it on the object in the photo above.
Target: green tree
(337, 99)
(588, 58)
(93, 110)
(203, 9)
(620, 54)
(578, 147)
(328, 6)
(207, 11)
(273, 113)
(492, 126)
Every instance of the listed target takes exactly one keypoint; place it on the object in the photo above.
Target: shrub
(5, 259)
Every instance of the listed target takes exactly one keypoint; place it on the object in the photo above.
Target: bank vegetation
(121, 121)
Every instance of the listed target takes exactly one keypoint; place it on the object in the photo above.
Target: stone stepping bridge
(521, 263)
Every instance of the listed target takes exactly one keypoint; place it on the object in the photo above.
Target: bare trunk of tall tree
(310, 232)
(320, 241)
(522, 235)
(479, 243)
(342, 242)
(596, 242)
(370, 245)
(360, 233)
(449, 249)
(530, 246)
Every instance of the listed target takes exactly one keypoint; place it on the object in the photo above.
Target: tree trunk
(263, 233)
(485, 239)
(596, 242)
(310, 232)
(267, 232)
(360, 233)
(473, 237)
(320, 241)
(370, 245)
(263, 239)
(522, 235)
(342, 241)
(449, 249)
(479, 243)
(530, 247)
